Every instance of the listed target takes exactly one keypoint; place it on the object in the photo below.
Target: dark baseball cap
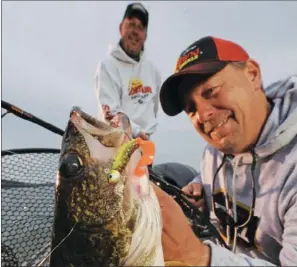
(139, 11)
(203, 58)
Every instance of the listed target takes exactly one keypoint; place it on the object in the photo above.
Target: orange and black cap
(203, 58)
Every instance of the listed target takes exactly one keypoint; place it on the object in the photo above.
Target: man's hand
(106, 111)
(195, 189)
(180, 244)
(120, 120)
(143, 136)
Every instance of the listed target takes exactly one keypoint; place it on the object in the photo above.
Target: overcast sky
(50, 51)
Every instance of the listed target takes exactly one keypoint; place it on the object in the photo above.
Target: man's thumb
(196, 193)
(186, 189)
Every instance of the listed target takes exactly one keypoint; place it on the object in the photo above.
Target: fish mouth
(90, 119)
(103, 141)
(106, 134)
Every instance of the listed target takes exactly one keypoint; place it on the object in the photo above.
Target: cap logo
(184, 60)
(139, 7)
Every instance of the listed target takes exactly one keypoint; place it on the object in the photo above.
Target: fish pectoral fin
(175, 263)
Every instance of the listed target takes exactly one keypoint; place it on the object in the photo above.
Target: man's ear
(253, 72)
(121, 27)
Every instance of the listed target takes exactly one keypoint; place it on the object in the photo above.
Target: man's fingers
(193, 201)
(143, 136)
(197, 203)
(200, 204)
(193, 189)
(196, 189)
(187, 189)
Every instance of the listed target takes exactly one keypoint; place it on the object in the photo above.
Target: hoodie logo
(138, 91)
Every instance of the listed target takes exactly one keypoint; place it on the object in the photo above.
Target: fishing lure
(123, 156)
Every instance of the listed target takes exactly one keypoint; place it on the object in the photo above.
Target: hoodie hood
(280, 127)
(118, 53)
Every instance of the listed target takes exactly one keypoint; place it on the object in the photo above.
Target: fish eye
(114, 177)
(71, 165)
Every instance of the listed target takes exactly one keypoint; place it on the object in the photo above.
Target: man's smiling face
(133, 35)
(228, 109)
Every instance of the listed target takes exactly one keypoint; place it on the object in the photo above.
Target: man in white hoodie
(248, 170)
(127, 84)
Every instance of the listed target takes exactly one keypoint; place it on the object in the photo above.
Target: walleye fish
(104, 214)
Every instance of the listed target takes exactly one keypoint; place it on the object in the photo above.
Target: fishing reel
(200, 223)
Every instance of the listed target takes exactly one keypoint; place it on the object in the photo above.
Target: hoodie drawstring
(234, 207)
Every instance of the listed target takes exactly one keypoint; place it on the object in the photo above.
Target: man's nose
(204, 110)
(135, 32)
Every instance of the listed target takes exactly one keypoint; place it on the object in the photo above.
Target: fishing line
(40, 264)
(7, 112)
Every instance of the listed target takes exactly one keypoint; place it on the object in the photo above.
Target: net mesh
(27, 188)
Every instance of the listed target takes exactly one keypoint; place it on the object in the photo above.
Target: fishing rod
(201, 224)
(29, 117)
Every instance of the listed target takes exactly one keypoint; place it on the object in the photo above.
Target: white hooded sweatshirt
(125, 85)
(270, 236)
